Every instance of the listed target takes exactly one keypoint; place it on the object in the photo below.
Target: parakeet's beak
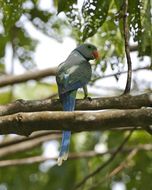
(95, 54)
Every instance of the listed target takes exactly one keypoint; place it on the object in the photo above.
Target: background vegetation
(99, 22)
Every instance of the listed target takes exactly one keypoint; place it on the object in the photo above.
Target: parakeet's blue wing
(73, 76)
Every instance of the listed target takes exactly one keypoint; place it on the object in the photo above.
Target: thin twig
(27, 144)
(123, 164)
(127, 50)
(17, 140)
(118, 169)
(80, 155)
(102, 166)
(119, 73)
(6, 80)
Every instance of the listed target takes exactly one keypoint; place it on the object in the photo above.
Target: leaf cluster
(15, 15)
(93, 16)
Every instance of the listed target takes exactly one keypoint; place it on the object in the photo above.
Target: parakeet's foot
(88, 98)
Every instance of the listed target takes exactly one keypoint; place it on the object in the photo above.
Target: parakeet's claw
(88, 98)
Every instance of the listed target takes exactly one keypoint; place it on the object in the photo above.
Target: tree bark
(117, 102)
(26, 123)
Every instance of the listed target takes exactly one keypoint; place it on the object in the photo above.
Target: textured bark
(118, 102)
(26, 123)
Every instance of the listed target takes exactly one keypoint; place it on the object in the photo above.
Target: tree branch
(106, 163)
(81, 155)
(120, 73)
(26, 123)
(127, 50)
(30, 75)
(123, 164)
(19, 139)
(118, 169)
(26, 144)
(6, 80)
(133, 48)
(117, 102)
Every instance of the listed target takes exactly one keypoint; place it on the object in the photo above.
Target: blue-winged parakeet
(75, 72)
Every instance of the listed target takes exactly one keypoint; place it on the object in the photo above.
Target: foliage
(99, 22)
(14, 15)
(94, 14)
(96, 21)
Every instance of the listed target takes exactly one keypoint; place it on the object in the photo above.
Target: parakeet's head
(89, 51)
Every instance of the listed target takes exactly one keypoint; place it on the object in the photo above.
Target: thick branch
(121, 102)
(30, 75)
(26, 123)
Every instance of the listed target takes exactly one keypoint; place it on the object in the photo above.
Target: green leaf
(43, 15)
(146, 40)
(140, 25)
(65, 5)
(3, 41)
(94, 14)
(135, 20)
(12, 10)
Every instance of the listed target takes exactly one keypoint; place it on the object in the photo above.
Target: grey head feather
(86, 50)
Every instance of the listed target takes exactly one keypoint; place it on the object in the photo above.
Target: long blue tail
(68, 102)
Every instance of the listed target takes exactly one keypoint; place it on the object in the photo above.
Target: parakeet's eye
(89, 46)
